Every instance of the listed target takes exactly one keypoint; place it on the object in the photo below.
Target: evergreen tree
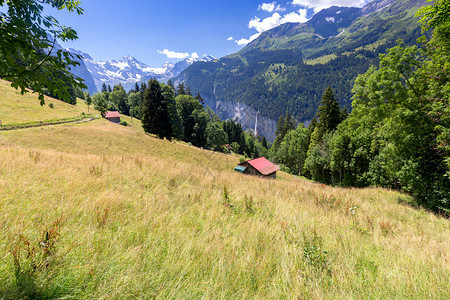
(284, 125)
(117, 87)
(188, 91)
(88, 100)
(109, 89)
(156, 118)
(170, 84)
(136, 88)
(264, 143)
(280, 126)
(180, 89)
(329, 113)
(104, 88)
(200, 99)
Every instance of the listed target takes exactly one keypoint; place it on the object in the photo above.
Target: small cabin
(113, 116)
(258, 167)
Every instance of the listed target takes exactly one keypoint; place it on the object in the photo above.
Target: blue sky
(156, 31)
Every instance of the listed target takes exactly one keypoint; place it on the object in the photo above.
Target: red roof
(112, 114)
(263, 165)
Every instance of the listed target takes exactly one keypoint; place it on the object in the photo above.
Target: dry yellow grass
(17, 109)
(145, 218)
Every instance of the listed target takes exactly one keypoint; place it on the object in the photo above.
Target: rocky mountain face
(289, 67)
(128, 70)
(80, 70)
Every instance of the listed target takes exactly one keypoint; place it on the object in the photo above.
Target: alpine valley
(289, 67)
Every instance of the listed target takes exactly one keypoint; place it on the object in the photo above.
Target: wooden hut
(259, 167)
(113, 116)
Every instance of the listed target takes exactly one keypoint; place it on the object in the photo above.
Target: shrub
(314, 253)
(226, 201)
(96, 170)
(124, 123)
(249, 204)
(50, 105)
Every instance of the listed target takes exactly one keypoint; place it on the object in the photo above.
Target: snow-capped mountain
(128, 70)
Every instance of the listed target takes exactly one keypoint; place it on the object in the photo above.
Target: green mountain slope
(289, 67)
(103, 211)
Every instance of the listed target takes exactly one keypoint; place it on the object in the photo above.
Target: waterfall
(256, 124)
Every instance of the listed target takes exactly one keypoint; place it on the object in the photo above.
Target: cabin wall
(114, 120)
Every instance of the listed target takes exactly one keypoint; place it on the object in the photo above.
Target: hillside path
(43, 124)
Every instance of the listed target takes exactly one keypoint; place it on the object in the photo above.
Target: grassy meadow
(18, 109)
(102, 211)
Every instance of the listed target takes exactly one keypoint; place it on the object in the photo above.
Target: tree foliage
(27, 50)
(155, 112)
(398, 133)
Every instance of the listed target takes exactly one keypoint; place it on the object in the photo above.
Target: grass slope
(17, 109)
(146, 218)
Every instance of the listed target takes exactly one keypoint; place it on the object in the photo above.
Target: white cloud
(178, 55)
(271, 22)
(321, 4)
(265, 24)
(296, 17)
(173, 54)
(276, 19)
(230, 38)
(271, 7)
(243, 42)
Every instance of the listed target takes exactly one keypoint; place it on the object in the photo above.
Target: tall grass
(145, 218)
(17, 109)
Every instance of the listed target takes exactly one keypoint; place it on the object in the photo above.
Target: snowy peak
(330, 22)
(128, 70)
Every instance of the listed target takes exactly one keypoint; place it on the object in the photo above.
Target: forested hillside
(397, 135)
(289, 67)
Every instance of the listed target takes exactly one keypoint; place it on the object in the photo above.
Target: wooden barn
(113, 116)
(259, 167)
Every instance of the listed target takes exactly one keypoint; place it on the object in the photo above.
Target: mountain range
(126, 71)
(290, 66)
(285, 69)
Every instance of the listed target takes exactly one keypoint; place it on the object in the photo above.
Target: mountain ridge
(126, 71)
(273, 73)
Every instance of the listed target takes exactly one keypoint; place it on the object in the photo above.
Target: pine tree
(280, 126)
(136, 88)
(284, 125)
(109, 88)
(200, 99)
(180, 89)
(188, 91)
(143, 88)
(156, 118)
(104, 88)
(170, 84)
(313, 124)
(264, 143)
(329, 112)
